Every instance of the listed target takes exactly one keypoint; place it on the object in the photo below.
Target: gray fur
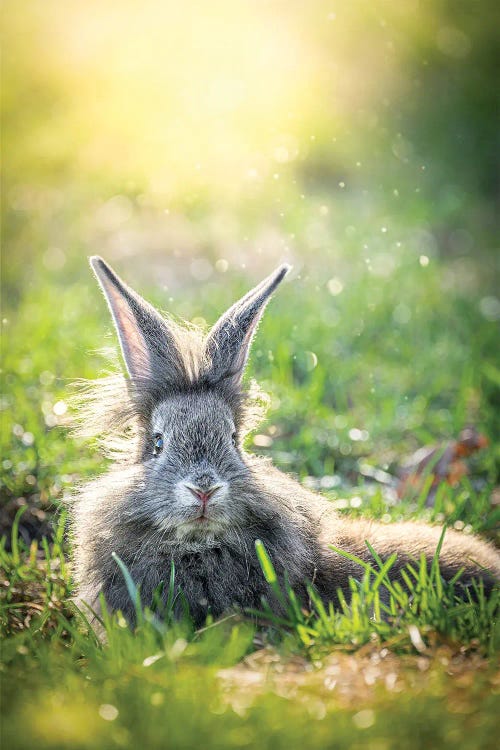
(187, 387)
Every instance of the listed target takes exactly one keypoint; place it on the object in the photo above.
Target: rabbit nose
(203, 495)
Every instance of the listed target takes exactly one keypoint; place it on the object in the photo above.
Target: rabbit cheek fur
(185, 492)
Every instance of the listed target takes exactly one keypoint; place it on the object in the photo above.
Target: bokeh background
(197, 145)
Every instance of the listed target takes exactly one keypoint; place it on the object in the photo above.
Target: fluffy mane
(114, 410)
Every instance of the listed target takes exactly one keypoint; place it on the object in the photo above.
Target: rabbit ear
(148, 347)
(228, 342)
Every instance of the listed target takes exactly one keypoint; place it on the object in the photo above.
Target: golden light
(175, 97)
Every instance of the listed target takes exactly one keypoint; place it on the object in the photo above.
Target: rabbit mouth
(204, 524)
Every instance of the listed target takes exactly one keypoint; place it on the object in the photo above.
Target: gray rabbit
(183, 489)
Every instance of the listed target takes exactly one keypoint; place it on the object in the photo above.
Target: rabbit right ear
(228, 342)
(149, 348)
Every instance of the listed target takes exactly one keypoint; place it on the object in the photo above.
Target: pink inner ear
(133, 344)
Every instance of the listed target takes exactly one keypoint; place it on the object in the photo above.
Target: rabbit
(182, 488)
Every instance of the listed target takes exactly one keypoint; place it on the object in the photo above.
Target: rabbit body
(186, 492)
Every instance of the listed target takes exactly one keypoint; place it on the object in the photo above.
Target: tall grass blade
(133, 590)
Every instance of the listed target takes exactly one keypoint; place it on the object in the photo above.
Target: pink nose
(203, 495)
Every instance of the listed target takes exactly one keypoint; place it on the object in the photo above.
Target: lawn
(395, 386)
(383, 339)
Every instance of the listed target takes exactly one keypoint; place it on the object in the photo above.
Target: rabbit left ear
(148, 346)
(228, 343)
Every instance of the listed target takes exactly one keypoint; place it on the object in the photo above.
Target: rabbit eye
(233, 439)
(157, 445)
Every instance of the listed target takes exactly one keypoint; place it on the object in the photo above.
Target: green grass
(399, 361)
(168, 685)
(168, 694)
(382, 611)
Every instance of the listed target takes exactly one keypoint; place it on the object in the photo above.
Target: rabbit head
(191, 478)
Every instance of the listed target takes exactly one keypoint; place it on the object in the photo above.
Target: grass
(358, 379)
(170, 685)
(382, 611)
